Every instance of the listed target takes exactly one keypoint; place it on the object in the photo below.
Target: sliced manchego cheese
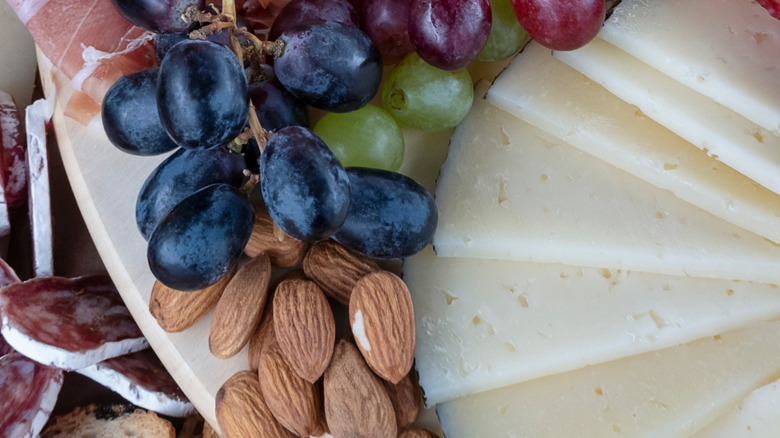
(509, 191)
(728, 50)
(485, 324)
(756, 416)
(714, 128)
(668, 393)
(561, 101)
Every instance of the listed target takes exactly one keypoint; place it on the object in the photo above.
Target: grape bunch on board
(236, 105)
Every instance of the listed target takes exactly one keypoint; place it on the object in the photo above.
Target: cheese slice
(485, 324)
(507, 190)
(668, 393)
(561, 101)
(756, 416)
(728, 50)
(719, 131)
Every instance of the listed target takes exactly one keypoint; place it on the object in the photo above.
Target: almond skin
(417, 433)
(356, 403)
(304, 327)
(263, 336)
(336, 269)
(242, 411)
(239, 309)
(406, 397)
(176, 311)
(382, 320)
(283, 250)
(294, 402)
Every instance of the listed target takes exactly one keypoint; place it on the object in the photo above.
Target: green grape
(507, 36)
(368, 137)
(424, 97)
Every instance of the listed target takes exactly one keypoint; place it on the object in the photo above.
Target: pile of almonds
(302, 381)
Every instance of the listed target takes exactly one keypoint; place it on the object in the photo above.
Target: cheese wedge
(561, 101)
(728, 50)
(669, 393)
(719, 131)
(756, 416)
(507, 190)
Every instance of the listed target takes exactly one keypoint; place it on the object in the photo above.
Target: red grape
(385, 22)
(448, 34)
(562, 24)
(773, 6)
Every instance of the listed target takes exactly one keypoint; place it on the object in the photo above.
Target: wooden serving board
(106, 182)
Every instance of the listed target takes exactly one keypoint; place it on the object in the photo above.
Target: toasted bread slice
(109, 421)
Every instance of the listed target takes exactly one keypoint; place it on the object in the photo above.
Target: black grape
(390, 215)
(276, 108)
(329, 65)
(298, 11)
(201, 238)
(163, 42)
(202, 94)
(130, 116)
(180, 175)
(303, 184)
(160, 16)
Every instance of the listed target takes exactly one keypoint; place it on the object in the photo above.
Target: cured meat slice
(36, 117)
(12, 170)
(68, 323)
(7, 276)
(28, 391)
(143, 380)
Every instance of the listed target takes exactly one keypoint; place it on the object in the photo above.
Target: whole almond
(294, 402)
(177, 311)
(263, 336)
(304, 327)
(382, 320)
(417, 433)
(283, 250)
(356, 403)
(242, 411)
(406, 397)
(336, 269)
(239, 309)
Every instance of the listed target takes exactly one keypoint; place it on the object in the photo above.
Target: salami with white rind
(7, 276)
(143, 381)
(39, 194)
(13, 173)
(28, 393)
(68, 323)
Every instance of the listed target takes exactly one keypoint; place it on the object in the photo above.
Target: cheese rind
(719, 131)
(728, 50)
(509, 191)
(756, 416)
(669, 393)
(556, 98)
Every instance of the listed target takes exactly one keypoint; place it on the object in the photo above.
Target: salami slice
(7, 276)
(142, 380)
(12, 170)
(68, 323)
(28, 391)
(37, 116)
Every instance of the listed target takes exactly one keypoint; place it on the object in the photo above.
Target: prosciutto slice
(68, 323)
(142, 380)
(28, 391)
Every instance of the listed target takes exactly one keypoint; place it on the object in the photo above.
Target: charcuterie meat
(68, 323)
(28, 392)
(12, 140)
(7, 276)
(143, 380)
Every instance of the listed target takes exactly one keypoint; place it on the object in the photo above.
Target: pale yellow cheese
(669, 393)
(756, 416)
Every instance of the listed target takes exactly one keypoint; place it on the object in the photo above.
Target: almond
(262, 337)
(242, 411)
(406, 397)
(417, 433)
(176, 311)
(294, 402)
(356, 403)
(336, 269)
(304, 327)
(208, 431)
(382, 320)
(239, 309)
(283, 250)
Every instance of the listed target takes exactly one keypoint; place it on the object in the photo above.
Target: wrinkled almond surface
(406, 397)
(242, 411)
(336, 268)
(417, 433)
(263, 336)
(283, 250)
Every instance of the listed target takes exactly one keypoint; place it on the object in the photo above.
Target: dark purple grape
(163, 42)
(201, 238)
(386, 23)
(390, 215)
(298, 11)
(130, 116)
(329, 65)
(563, 24)
(251, 152)
(180, 175)
(202, 94)
(160, 16)
(303, 184)
(448, 34)
(276, 108)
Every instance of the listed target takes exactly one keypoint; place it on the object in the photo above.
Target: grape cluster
(237, 105)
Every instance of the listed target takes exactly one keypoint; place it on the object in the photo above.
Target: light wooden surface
(106, 182)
